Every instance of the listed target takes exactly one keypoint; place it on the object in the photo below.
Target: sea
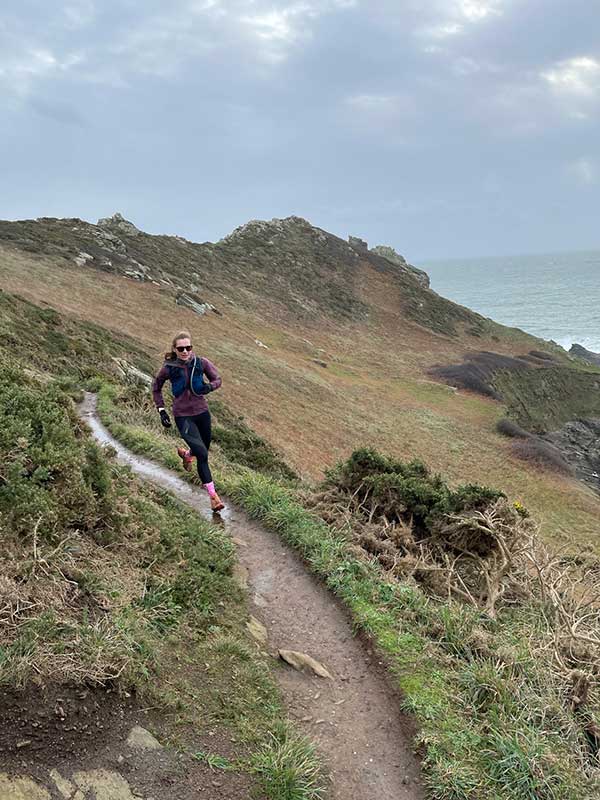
(555, 296)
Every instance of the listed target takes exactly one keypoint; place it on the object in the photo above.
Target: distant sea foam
(554, 296)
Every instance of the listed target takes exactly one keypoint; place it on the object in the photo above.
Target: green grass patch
(64, 348)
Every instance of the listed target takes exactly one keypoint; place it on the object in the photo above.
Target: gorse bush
(396, 490)
(50, 480)
(94, 568)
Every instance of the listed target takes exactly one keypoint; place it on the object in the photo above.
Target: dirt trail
(354, 719)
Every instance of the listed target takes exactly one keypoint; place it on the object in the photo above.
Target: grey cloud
(58, 111)
(430, 126)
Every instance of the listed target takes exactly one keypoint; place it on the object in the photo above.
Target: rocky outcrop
(82, 258)
(579, 443)
(388, 252)
(197, 306)
(358, 244)
(384, 251)
(381, 251)
(578, 351)
(131, 374)
(118, 223)
(288, 264)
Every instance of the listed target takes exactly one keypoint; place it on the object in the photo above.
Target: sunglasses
(184, 348)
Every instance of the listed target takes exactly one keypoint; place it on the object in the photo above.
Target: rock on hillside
(579, 443)
(383, 251)
(118, 224)
(287, 265)
(585, 355)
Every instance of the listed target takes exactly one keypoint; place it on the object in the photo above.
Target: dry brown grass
(374, 392)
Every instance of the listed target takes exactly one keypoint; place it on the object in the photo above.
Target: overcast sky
(442, 127)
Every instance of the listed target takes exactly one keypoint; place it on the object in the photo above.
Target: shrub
(541, 355)
(47, 474)
(542, 453)
(476, 373)
(509, 428)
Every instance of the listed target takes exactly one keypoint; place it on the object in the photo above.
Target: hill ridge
(288, 265)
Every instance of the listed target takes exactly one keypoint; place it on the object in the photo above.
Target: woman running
(186, 372)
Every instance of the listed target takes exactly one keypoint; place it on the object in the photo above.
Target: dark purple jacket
(187, 404)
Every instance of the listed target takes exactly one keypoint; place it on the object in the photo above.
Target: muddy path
(354, 719)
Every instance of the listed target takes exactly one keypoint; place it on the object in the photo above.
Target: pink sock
(210, 488)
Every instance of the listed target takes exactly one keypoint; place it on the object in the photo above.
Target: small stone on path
(21, 789)
(141, 739)
(257, 630)
(240, 576)
(300, 660)
(103, 785)
(64, 786)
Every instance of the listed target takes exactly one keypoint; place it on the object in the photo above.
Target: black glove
(205, 389)
(164, 418)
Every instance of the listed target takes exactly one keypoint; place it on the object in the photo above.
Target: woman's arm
(211, 373)
(157, 387)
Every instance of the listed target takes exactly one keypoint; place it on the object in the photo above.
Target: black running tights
(196, 431)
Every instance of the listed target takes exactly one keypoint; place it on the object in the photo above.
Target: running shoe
(186, 457)
(216, 504)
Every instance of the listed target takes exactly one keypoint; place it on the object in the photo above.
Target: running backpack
(179, 379)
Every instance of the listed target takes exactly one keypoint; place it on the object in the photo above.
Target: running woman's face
(183, 348)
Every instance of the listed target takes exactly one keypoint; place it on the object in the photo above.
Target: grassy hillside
(496, 661)
(288, 265)
(106, 582)
(349, 342)
(464, 624)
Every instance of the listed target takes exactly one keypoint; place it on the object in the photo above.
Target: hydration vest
(179, 378)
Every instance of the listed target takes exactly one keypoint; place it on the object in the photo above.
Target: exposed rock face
(579, 442)
(388, 252)
(586, 355)
(196, 306)
(358, 244)
(132, 374)
(118, 223)
(395, 258)
(390, 255)
(108, 240)
(82, 259)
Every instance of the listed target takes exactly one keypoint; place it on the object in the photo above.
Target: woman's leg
(190, 432)
(204, 424)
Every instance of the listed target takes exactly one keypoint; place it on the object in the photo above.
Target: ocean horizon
(555, 296)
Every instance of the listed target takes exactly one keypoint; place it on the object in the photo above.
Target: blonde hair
(172, 355)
